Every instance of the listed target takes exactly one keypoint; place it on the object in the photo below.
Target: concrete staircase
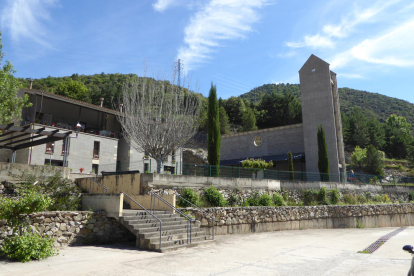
(174, 230)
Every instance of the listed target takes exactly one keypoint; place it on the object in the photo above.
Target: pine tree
(224, 121)
(290, 162)
(249, 120)
(323, 161)
(213, 129)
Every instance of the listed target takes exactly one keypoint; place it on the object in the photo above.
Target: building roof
(68, 100)
(274, 158)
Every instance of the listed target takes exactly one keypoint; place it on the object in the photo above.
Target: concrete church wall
(275, 141)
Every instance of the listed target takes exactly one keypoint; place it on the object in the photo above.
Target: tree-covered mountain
(382, 106)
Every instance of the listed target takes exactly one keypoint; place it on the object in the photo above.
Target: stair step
(177, 236)
(164, 228)
(143, 221)
(183, 246)
(155, 246)
(148, 235)
(138, 225)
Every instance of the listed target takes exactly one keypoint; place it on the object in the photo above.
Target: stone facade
(75, 228)
(236, 220)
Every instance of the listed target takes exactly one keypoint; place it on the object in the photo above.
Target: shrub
(28, 247)
(411, 196)
(278, 200)
(66, 196)
(309, 196)
(362, 199)
(351, 199)
(254, 200)
(322, 195)
(335, 197)
(190, 195)
(234, 198)
(285, 196)
(265, 200)
(382, 198)
(214, 197)
(358, 156)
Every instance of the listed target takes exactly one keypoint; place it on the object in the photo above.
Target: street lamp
(51, 152)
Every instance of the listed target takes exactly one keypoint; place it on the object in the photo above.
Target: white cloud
(25, 19)
(392, 48)
(352, 76)
(218, 21)
(162, 5)
(315, 41)
(344, 28)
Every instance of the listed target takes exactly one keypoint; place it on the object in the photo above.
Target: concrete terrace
(302, 252)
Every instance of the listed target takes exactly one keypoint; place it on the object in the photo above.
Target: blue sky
(237, 44)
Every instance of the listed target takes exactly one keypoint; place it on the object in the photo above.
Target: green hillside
(382, 106)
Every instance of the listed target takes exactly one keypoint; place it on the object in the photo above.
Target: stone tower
(320, 106)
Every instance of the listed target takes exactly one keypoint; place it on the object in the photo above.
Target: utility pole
(179, 63)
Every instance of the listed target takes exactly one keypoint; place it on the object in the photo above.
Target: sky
(236, 44)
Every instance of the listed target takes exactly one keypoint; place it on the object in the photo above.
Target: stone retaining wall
(80, 227)
(260, 219)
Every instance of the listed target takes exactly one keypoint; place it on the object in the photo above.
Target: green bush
(335, 197)
(28, 247)
(411, 196)
(265, 200)
(309, 196)
(362, 199)
(190, 195)
(234, 198)
(254, 200)
(351, 199)
(214, 197)
(322, 195)
(278, 200)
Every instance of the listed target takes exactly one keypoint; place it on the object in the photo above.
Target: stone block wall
(75, 228)
(236, 220)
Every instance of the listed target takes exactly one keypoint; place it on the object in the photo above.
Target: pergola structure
(15, 138)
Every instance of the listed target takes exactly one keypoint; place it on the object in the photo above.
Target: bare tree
(158, 117)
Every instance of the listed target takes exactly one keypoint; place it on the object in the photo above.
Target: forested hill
(382, 106)
(109, 86)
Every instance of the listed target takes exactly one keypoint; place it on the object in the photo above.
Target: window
(95, 168)
(96, 150)
(173, 156)
(146, 167)
(50, 148)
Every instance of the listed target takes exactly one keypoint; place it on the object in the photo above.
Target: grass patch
(364, 252)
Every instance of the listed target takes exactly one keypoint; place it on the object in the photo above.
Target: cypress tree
(323, 161)
(213, 129)
(290, 162)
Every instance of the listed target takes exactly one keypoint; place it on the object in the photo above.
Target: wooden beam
(38, 142)
(25, 139)
(14, 137)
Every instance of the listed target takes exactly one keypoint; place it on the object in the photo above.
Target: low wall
(110, 203)
(127, 183)
(77, 228)
(7, 169)
(262, 219)
(299, 185)
(150, 181)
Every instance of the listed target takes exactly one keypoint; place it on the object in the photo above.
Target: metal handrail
(189, 219)
(100, 184)
(147, 212)
(199, 209)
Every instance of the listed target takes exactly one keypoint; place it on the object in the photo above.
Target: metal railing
(92, 182)
(189, 219)
(148, 213)
(213, 219)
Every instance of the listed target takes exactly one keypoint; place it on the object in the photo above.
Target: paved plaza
(301, 252)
